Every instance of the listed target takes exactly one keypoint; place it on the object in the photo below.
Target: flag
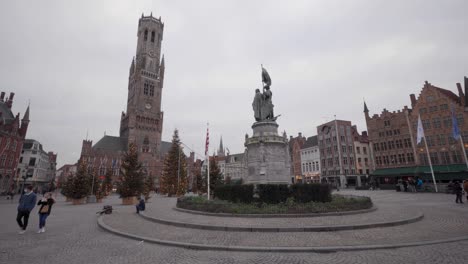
(207, 143)
(420, 134)
(455, 128)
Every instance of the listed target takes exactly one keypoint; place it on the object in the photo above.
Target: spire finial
(366, 110)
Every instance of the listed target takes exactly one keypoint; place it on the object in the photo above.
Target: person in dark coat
(458, 192)
(44, 211)
(140, 206)
(27, 202)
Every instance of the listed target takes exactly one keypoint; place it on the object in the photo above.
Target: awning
(453, 169)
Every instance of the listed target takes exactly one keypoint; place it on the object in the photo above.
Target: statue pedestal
(267, 155)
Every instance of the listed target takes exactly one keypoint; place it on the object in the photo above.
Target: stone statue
(257, 105)
(262, 104)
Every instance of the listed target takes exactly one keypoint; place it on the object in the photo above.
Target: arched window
(146, 34)
(153, 35)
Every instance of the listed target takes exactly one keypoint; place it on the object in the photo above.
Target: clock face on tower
(148, 106)
(151, 53)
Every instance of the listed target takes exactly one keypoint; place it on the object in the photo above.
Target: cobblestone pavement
(73, 237)
(442, 221)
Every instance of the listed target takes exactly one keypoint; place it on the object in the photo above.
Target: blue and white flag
(420, 134)
(455, 128)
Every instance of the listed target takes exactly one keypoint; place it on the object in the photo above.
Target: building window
(32, 162)
(153, 35)
(423, 159)
(447, 121)
(441, 139)
(422, 111)
(456, 157)
(343, 149)
(391, 145)
(410, 157)
(430, 141)
(407, 143)
(460, 119)
(426, 124)
(364, 150)
(436, 122)
(102, 171)
(434, 158)
(387, 123)
(146, 35)
(444, 157)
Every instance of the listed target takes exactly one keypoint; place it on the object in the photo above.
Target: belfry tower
(143, 121)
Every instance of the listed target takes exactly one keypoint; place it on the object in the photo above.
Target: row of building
(22, 160)
(387, 151)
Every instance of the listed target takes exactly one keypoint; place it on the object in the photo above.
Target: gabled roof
(310, 142)
(7, 115)
(111, 144)
(165, 147)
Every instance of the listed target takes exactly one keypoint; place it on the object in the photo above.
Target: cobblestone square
(73, 236)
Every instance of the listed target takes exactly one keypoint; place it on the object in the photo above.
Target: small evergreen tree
(97, 186)
(174, 177)
(215, 174)
(107, 184)
(80, 184)
(66, 186)
(149, 186)
(131, 174)
(197, 186)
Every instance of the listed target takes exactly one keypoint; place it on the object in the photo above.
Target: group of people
(26, 204)
(411, 185)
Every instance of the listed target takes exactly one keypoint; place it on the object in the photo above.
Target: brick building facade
(393, 136)
(12, 135)
(142, 122)
(295, 145)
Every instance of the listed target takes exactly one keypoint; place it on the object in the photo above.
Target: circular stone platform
(444, 221)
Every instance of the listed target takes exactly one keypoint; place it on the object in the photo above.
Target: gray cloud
(71, 59)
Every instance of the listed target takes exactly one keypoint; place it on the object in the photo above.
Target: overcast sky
(71, 59)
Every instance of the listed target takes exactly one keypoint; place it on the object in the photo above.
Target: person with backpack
(27, 202)
(44, 211)
(458, 192)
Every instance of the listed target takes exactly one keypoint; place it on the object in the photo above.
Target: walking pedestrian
(465, 187)
(27, 202)
(458, 192)
(44, 211)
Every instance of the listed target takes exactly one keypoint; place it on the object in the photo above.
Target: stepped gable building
(310, 160)
(396, 133)
(12, 135)
(295, 145)
(142, 122)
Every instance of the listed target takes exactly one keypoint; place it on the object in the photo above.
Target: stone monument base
(267, 155)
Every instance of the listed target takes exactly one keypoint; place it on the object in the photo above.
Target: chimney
(460, 94)
(2, 96)
(10, 100)
(364, 133)
(413, 100)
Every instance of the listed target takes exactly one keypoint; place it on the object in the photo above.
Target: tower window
(146, 88)
(151, 91)
(146, 34)
(153, 35)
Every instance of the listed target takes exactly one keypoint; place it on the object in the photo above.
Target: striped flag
(207, 143)
(420, 134)
(455, 128)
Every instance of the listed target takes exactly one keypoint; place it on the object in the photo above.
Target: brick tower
(143, 120)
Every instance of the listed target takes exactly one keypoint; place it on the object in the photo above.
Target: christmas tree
(174, 177)
(107, 184)
(149, 186)
(80, 184)
(215, 174)
(131, 174)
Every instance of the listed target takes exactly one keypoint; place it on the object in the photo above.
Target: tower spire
(366, 110)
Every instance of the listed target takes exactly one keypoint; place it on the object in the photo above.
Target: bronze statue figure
(262, 104)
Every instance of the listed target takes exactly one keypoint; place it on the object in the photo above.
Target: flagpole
(208, 161)
(430, 164)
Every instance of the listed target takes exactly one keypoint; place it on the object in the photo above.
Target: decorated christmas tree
(131, 175)
(174, 177)
(80, 184)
